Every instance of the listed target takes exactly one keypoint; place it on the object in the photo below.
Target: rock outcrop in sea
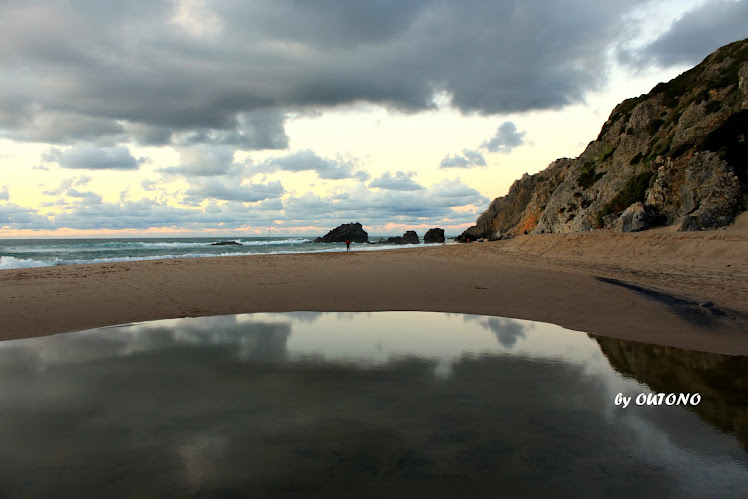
(227, 243)
(353, 232)
(675, 156)
(435, 235)
(410, 237)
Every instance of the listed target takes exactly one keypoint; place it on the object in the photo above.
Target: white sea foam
(252, 247)
(143, 244)
(123, 246)
(67, 249)
(174, 245)
(10, 262)
(263, 243)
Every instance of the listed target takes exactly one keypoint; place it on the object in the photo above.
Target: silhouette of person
(347, 245)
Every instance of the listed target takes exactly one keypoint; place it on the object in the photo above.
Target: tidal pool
(399, 404)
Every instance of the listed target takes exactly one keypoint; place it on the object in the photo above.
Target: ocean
(25, 253)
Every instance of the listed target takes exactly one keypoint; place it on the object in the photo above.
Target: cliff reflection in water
(390, 403)
(722, 380)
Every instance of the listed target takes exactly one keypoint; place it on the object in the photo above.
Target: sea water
(384, 404)
(22, 253)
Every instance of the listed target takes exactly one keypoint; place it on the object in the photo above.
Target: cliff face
(677, 155)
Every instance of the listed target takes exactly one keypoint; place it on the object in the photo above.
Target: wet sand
(643, 287)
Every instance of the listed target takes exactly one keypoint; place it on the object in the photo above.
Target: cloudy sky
(232, 117)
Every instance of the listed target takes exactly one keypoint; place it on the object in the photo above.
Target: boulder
(352, 232)
(434, 235)
(473, 233)
(410, 237)
(633, 219)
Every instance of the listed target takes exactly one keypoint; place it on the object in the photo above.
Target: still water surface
(378, 404)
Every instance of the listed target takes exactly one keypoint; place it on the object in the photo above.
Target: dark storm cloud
(146, 135)
(695, 35)
(400, 181)
(468, 159)
(65, 128)
(506, 138)
(262, 129)
(306, 160)
(94, 158)
(220, 72)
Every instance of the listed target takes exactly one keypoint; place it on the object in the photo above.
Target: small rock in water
(706, 304)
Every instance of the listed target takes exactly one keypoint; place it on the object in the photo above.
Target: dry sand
(650, 288)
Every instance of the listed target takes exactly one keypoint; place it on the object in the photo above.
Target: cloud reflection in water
(314, 404)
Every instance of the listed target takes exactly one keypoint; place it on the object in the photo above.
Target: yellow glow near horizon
(377, 140)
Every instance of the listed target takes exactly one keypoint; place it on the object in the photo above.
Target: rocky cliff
(677, 155)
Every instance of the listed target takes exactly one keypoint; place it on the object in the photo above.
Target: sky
(231, 117)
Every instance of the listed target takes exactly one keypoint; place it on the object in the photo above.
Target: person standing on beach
(347, 245)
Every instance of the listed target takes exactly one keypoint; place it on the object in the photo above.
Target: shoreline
(16, 263)
(561, 279)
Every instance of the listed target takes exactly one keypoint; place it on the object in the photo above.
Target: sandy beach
(641, 286)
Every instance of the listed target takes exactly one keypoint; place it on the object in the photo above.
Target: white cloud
(449, 201)
(431, 205)
(400, 181)
(18, 217)
(146, 213)
(67, 183)
(469, 159)
(148, 185)
(204, 161)
(94, 158)
(506, 138)
(307, 160)
(64, 186)
(246, 193)
(86, 197)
